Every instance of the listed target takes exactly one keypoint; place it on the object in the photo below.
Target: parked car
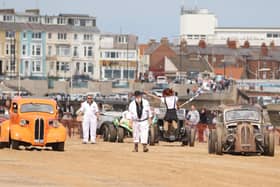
(241, 129)
(120, 128)
(33, 122)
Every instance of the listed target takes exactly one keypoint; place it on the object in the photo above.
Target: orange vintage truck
(33, 122)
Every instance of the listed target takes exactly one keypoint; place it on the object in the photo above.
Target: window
(49, 50)
(10, 34)
(48, 20)
(7, 18)
(90, 68)
(33, 19)
(75, 52)
(269, 35)
(85, 51)
(61, 36)
(85, 67)
(87, 36)
(36, 35)
(49, 35)
(89, 51)
(63, 50)
(24, 35)
(78, 67)
(82, 22)
(75, 36)
(23, 50)
(13, 49)
(123, 39)
(7, 49)
(36, 66)
(60, 21)
(57, 66)
(36, 50)
(13, 65)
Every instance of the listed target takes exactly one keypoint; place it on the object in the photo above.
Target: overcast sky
(156, 18)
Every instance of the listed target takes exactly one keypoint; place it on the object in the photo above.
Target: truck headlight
(54, 123)
(23, 122)
(259, 137)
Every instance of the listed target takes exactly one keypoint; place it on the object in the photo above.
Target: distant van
(162, 80)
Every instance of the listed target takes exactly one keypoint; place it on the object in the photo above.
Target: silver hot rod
(241, 129)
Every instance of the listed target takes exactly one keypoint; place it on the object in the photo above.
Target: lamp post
(127, 40)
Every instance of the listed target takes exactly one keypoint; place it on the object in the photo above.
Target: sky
(154, 19)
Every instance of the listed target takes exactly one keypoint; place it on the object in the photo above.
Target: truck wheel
(15, 144)
(105, 132)
(212, 141)
(58, 146)
(151, 135)
(219, 143)
(120, 134)
(156, 133)
(270, 145)
(191, 137)
(112, 137)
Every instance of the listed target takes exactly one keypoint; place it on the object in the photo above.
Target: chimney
(151, 42)
(264, 50)
(33, 11)
(164, 41)
(202, 44)
(7, 11)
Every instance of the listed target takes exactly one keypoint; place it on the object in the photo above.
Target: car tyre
(58, 146)
(120, 134)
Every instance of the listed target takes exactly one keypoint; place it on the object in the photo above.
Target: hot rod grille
(245, 135)
(39, 130)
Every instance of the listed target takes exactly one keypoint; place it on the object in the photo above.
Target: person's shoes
(135, 147)
(84, 142)
(145, 149)
(93, 142)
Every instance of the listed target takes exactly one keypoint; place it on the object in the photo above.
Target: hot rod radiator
(39, 130)
(245, 135)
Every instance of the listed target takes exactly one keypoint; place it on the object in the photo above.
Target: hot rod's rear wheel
(58, 146)
(219, 143)
(112, 133)
(105, 133)
(270, 149)
(212, 141)
(191, 137)
(120, 134)
(15, 144)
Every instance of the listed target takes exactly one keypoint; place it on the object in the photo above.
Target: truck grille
(39, 130)
(245, 135)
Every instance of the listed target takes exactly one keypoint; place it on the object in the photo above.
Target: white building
(200, 24)
(118, 56)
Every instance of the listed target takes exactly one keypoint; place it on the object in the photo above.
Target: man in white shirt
(140, 114)
(90, 111)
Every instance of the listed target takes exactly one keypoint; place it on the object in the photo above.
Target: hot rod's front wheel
(15, 144)
(58, 146)
(219, 143)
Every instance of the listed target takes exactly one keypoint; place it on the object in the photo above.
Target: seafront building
(200, 24)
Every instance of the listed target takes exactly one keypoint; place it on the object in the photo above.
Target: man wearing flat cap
(140, 113)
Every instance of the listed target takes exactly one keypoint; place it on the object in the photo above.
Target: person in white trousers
(140, 116)
(90, 112)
